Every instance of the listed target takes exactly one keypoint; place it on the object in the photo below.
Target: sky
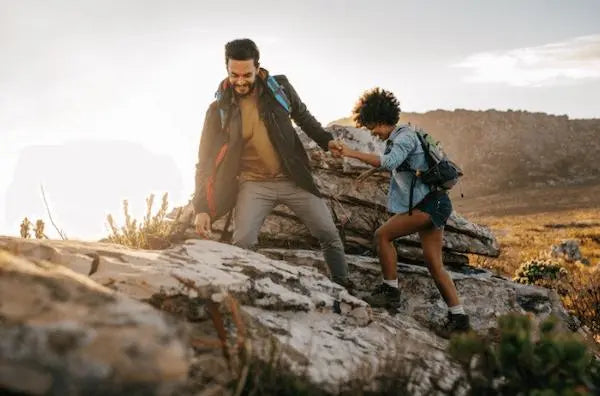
(102, 101)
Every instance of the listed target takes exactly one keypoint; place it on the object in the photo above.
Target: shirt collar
(397, 130)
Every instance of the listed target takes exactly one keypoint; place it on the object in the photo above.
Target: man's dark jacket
(221, 144)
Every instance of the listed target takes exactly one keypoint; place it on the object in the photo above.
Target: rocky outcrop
(286, 299)
(64, 334)
(359, 208)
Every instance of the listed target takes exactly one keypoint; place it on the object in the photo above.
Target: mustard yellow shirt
(259, 160)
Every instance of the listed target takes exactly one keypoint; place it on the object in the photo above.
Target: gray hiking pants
(256, 199)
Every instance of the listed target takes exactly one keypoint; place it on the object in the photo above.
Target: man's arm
(303, 118)
(203, 164)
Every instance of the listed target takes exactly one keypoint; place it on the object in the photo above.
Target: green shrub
(540, 272)
(556, 363)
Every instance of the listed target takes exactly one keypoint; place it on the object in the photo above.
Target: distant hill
(500, 150)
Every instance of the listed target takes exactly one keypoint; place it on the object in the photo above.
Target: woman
(378, 110)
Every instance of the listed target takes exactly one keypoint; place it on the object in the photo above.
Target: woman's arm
(395, 154)
(371, 159)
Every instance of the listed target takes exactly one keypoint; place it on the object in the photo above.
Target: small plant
(25, 228)
(274, 377)
(581, 296)
(578, 288)
(554, 364)
(155, 232)
(539, 271)
(39, 229)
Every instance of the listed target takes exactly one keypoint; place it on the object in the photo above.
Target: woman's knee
(381, 236)
(436, 269)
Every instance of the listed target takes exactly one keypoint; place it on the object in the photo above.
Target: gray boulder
(567, 249)
(286, 300)
(64, 334)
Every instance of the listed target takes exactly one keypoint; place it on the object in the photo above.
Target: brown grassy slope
(527, 223)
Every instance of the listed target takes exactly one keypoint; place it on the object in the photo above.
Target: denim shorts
(438, 206)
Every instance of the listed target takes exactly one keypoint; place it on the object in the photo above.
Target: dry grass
(529, 236)
(25, 229)
(580, 295)
(154, 232)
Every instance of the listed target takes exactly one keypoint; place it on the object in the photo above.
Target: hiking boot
(347, 284)
(456, 323)
(384, 296)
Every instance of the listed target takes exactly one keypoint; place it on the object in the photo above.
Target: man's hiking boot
(350, 288)
(456, 323)
(384, 296)
(348, 285)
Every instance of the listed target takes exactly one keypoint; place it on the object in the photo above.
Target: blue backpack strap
(279, 93)
(274, 87)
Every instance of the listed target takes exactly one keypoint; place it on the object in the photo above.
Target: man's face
(380, 131)
(242, 75)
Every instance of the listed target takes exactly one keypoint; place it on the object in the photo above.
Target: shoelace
(381, 288)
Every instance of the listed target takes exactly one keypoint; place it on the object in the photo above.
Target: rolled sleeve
(401, 147)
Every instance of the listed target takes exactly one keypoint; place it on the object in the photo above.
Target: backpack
(441, 174)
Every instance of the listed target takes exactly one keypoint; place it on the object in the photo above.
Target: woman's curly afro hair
(376, 106)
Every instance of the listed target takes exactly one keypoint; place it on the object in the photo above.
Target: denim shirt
(403, 144)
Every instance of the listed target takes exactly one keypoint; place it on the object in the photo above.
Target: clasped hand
(338, 149)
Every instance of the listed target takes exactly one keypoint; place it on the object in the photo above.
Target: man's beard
(250, 88)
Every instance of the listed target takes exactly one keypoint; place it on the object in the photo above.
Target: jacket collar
(225, 96)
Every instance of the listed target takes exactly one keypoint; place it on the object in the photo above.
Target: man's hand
(202, 222)
(335, 146)
(343, 150)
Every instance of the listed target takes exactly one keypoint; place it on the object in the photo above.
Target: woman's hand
(342, 150)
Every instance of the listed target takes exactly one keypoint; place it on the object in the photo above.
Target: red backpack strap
(210, 184)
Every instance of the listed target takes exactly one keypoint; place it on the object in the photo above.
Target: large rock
(324, 332)
(359, 208)
(64, 334)
(567, 249)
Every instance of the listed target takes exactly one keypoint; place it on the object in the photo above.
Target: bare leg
(431, 242)
(397, 226)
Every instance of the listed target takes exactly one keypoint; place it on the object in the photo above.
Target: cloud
(570, 61)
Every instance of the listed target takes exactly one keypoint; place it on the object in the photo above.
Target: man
(251, 157)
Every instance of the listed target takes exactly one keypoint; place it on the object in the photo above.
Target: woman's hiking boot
(384, 296)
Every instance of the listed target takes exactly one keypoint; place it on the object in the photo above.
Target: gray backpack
(441, 174)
